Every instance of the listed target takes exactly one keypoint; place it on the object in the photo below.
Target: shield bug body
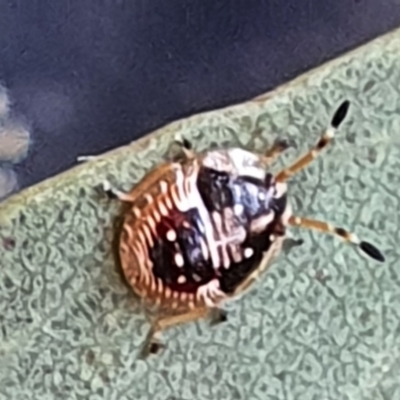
(199, 231)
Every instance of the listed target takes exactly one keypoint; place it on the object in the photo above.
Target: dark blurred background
(87, 76)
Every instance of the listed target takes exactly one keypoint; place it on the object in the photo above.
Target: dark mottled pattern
(233, 276)
(220, 190)
(196, 269)
(215, 189)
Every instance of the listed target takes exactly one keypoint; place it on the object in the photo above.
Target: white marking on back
(167, 292)
(210, 293)
(216, 216)
(259, 224)
(185, 200)
(248, 252)
(163, 187)
(246, 163)
(148, 198)
(281, 189)
(204, 249)
(157, 215)
(287, 214)
(217, 160)
(179, 261)
(168, 202)
(152, 223)
(236, 161)
(148, 235)
(238, 209)
(171, 235)
(181, 201)
(228, 236)
(181, 279)
(196, 278)
(163, 209)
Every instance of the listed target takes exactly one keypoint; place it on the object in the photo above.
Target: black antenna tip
(340, 114)
(372, 251)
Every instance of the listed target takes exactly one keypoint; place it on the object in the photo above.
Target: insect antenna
(324, 140)
(349, 237)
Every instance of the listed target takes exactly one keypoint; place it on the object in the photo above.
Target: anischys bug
(200, 230)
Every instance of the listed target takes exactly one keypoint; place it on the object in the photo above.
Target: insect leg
(218, 316)
(325, 139)
(153, 344)
(349, 237)
(113, 193)
(275, 150)
(185, 144)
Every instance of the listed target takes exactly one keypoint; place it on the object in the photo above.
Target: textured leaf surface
(322, 323)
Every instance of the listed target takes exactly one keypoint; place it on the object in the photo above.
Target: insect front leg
(113, 193)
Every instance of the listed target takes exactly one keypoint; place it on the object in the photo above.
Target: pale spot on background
(14, 146)
(8, 182)
(48, 104)
(14, 142)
